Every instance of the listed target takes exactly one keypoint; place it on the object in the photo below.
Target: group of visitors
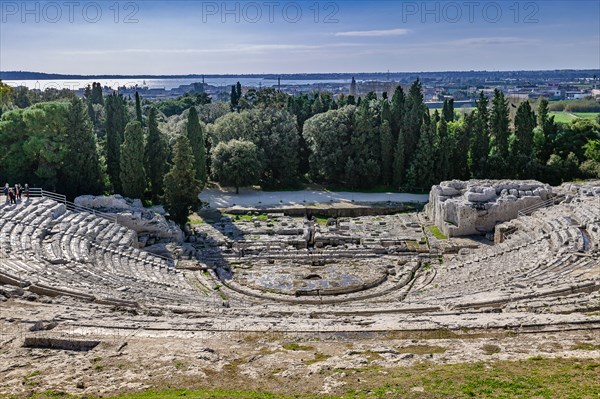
(13, 195)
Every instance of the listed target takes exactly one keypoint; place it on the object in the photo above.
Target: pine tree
(133, 177)
(181, 185)
(156, 155)
(82, 174)
(480, 144)
(138, 109)
(116, 119)
(499, 124)
(196, 138)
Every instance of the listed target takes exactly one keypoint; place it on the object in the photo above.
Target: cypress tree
(156, 155)
(116, 119)
(549, 131)
(397, 110)
(499, 124)
(133, 177)
(181, 185)
(524, 125)
(138, 109)
(480, 144)
(444, 151)
(399, 161)
(387, 152)
(522, 146)
(415, 115)
(82, 174)
(448, 110)
(196, 138)
(422, 169)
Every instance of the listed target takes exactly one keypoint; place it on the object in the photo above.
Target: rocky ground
(151, 350)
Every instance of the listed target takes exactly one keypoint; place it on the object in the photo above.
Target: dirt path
(218, 198)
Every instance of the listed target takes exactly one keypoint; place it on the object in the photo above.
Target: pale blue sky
(183, 37)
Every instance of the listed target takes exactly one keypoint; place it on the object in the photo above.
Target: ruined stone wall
(462, 208)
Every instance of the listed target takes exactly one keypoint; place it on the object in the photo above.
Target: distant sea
(166, 84)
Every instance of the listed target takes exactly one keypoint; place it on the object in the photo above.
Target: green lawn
(567, 117)
(586, 115)
(562, 117)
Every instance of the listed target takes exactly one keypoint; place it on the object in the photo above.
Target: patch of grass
(437, 233)
(292, 346)
(195, 219)
(584, 346)
(179, 365)
(32, 374)
(562, 117)
(412, 245)
(421, 349)
(586, 115)
(319, 357)
(247, 218)
(490, 349)
(543, 378)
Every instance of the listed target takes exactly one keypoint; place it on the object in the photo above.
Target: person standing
(18, 192)
(26, 192)
(5, 193)
(12, 196)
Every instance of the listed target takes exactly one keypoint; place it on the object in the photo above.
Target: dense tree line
(152, 150)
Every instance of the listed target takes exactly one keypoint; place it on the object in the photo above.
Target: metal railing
(530, 209)
(73, 207)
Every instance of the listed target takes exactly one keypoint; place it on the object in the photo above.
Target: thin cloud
(374, 33)
(240, 48)
(490, 41)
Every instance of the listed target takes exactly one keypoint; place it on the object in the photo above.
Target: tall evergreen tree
(546, 133)
(480, 143)
(525, 122)
(460, 134)
(448, 110)
(138, 109)
(521, 146)
(421, 173)
(397, 111)
(96, 94)
(181, 185)
(133, 176)
(415, 115)
(116, 120)
(444, 151)
(196, 138)
(499, 124)
(82, 174)
(387, 153)
(156, 155)
(399, 171)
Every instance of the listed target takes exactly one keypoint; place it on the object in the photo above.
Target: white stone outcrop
(150, 225)
(461, 208)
